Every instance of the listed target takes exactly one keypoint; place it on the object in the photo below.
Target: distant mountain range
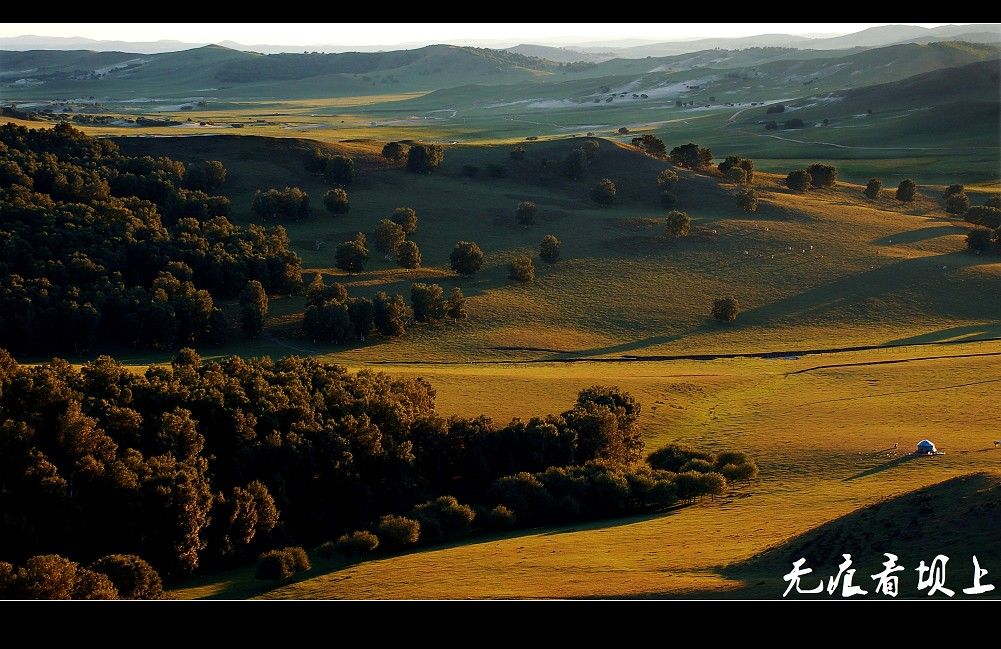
(586, 52)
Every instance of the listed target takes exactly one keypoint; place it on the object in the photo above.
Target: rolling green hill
(877, 271)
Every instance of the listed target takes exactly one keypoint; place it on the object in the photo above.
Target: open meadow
(862, 322)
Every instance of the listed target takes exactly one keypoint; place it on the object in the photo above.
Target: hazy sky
(393, 33)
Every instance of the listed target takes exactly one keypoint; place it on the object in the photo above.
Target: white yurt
(926, 446)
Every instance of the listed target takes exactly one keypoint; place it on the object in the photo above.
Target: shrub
(549, 249)
(398, 531)
(521, 269)
(336, 201)
(351, 256)
(798, 180)
(739, 471)
(822, 175)
(525, 214)
(603, 193)
(443, 518)
(395, 152)
(282, 564)
(425, 158)
(691, 156)
(590, 149)
(906, 191)
(253, 308)
(455, 305)
(957, 203)
(771, 125)
(132, 576)
(988, 217)
(953, 189)
(623, 130)
(747, 200)
(667, 178)
(776, 108)
(678, 224)
(340, 169)
(358, 542)
(733, 162)
(408, 255)
(500, 518)
(979, 240)
(674, 456)
(388, 237)
(725, 309)
(524, 495)
(793, 123)
(290, 203)
(326, 550)
(466, 258)
(652, 144)
(428, 301)
(575, 164)
(390, 314)
(205, 176)
(406, 218)
(873, 188)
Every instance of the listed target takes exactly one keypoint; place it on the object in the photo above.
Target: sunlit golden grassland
(823, 437)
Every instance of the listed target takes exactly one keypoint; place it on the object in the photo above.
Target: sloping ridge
(957, 518)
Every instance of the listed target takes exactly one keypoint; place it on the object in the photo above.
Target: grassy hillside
(234, 74)
(825, 268)
(822, 429)
(958, 518)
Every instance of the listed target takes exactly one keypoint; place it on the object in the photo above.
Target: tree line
(197, 466)
(102, 248)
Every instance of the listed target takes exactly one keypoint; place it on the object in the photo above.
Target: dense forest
(196, 466)
(97, 247)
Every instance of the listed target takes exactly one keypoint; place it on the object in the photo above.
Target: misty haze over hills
(589, 51)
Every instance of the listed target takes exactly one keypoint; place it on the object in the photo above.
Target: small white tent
(926, 446)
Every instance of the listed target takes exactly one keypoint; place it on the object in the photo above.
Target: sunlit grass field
(823, 437)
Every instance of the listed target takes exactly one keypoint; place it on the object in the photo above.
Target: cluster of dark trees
(391, 238)
(202, 465)
(336, 169)
(816, 175)
(578, 161)
(986, 237)
(652, 144)
(419, 158)
(51, 576)
(285, 204)
(332, 316)
(691, 156)
(737, 169)
(98, 247)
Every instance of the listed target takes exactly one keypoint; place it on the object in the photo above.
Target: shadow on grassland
(957, 518)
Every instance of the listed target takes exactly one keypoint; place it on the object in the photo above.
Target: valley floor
(822, 428)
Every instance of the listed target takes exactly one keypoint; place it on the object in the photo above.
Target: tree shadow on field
(922, 234)
(967, 333)
(633, 345)
(885, 466)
